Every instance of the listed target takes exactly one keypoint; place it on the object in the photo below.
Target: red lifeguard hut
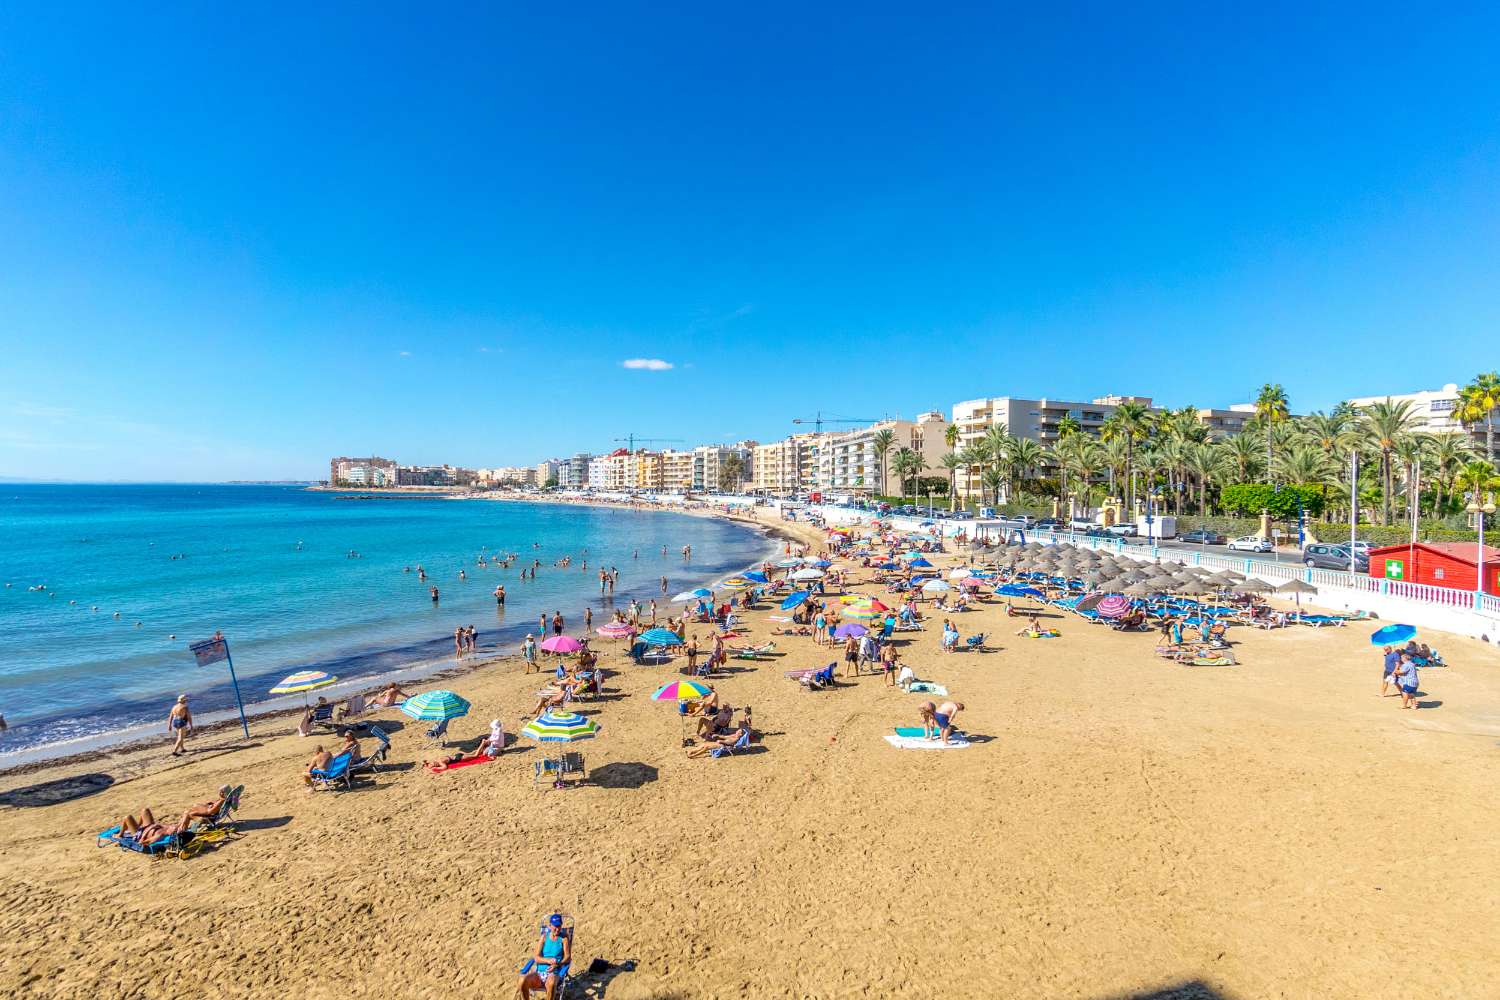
(1438, 564)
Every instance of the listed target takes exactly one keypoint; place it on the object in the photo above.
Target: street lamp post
(1480, 510)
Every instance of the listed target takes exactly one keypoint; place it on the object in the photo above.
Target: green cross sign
(1395, 569)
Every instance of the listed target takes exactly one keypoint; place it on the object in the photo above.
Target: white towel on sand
(917, 743)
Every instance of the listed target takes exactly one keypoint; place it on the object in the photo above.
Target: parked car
(1122, 530)
(961, 515)
(1324, 556)
(1049, 524)
(1098, 532)
(1251, 543)
(1202, 537)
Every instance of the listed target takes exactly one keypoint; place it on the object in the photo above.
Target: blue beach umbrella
(792, 600)
(660, 637)
(757, 577)
(435, 706)
(919, 561)
(1392, 635)
(693, 595)
(887, 565)
(820, 563)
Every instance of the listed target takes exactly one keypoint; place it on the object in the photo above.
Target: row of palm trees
(1171, 454)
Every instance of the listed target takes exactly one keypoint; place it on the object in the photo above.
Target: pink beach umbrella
(561, 644)
(613, 630)
(1113, 606)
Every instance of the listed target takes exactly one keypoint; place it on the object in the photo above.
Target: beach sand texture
(1124, 827)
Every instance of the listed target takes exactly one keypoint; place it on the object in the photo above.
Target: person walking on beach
(1406, 679)
(472, 638)
(692, 655)
(663, 585)
(888, 663)
(1388, 671)
(851, 657)
(588, 618)
(459, 635)
(180, 723)
(541, 624)
(528, 653)
(603, 582)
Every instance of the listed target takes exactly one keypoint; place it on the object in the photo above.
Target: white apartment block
(1433, 411)
(709, 459)
(847, 462)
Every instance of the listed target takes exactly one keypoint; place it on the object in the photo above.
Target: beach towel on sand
(918, 743)
(927, 687)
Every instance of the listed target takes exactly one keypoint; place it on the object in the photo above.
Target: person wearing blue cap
(554, 952)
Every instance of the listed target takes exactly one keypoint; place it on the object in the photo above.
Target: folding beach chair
(559, 768)
(438, 733)
(336, 774)
(225, 815)
(742, 743)
(373, 762)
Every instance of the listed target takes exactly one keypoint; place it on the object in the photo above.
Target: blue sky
(234, 245)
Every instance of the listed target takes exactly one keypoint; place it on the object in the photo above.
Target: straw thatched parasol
(1138, 589)
(1252, 586)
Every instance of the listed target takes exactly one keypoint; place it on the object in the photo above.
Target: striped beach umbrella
(435, 706)
(303, 680)
(549, 728)
(681, 691)
(1113, 606)
(661, 637)
(613, 630)
(863, 611)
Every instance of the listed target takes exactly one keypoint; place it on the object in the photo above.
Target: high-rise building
(711, 464)
(677, 471)
(788, 466)
(573, 474)
(1434, 411)
(548, 471)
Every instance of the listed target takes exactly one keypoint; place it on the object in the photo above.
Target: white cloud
(647, 364)
(403, 354)
(491, 350)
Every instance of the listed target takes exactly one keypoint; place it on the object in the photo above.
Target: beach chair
(438, 733)
(323, 716)
(975, 642)
(166, 847)
(561, 970)
(741, 743)
(559, 768)
(336, 774)
(373, 762)
(225, 816)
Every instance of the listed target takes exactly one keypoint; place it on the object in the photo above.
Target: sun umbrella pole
(235, 681)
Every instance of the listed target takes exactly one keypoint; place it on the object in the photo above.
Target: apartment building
(709, 462)
(848, 462)
(547, 471)
(372, 471)
(1226, 423)
(573, 473)
(677, 471)
(1434, 411)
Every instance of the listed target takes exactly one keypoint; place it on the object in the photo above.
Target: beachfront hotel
(848, 461)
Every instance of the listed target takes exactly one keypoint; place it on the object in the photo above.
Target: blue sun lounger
(336, 773)
(164, 847)
(742, 743)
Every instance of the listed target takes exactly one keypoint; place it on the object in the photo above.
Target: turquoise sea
(127, 567)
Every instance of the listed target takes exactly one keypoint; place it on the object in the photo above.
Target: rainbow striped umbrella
(435, 706)
(862, 611)
(549, 728)
(734, 583)
(613, 630)
(680, 691)
(303, 680)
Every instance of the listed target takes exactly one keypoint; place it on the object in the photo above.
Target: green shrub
(1250, 499)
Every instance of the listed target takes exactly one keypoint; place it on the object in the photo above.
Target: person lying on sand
(1033, 624)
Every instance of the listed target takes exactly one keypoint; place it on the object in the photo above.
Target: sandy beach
(1124, 827)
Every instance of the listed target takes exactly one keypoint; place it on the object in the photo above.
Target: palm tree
(1384, 424)
(1449, 453)
(1129, 422)
(975, 457)
(950, 436)
(997, 440)
(1086, 461)
(1477, 402)
(908, 465)
(952, 461)
(1203, 462)
(1025, 456)
(991, 480)
(1271, 407)
(1410, 450)
(1116, 461)
(882, 441)
(1329, 431)
(1243, 453)
(1478, 478)
(1067, 427)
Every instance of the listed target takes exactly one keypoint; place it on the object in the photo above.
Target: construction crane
(632, 439)
(820, 420)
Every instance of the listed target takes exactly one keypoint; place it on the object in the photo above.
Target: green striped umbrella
(550, 728)
(435, 706)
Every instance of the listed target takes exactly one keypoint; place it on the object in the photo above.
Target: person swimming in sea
(434, 595)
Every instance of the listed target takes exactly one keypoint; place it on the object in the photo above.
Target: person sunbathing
(147, 831)
(387, 698)
(320, 761)
(726, 741)
(549, 698)
(1033, 624)
(209, 809)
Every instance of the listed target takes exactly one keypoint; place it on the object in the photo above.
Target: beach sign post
(212, 651)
